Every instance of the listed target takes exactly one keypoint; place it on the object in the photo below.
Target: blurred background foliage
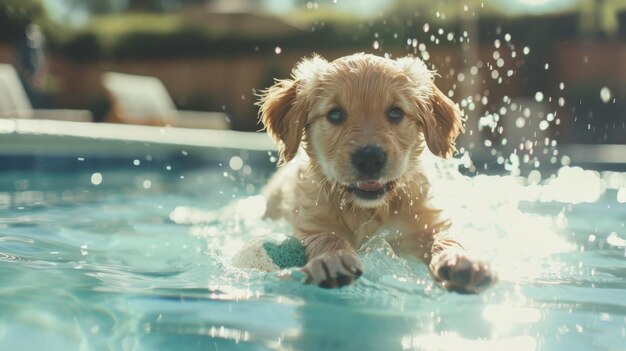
(216, 54)
(137, 28)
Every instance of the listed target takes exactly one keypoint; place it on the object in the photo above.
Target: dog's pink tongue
(369, 186)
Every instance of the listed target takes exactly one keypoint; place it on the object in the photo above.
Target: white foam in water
(523, 246)
(486, 212)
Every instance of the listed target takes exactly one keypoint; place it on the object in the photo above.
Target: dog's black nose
(369, 160)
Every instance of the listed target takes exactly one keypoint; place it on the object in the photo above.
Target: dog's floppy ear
(443, 124)
(281, 117)
(284, 107)
(441, 117)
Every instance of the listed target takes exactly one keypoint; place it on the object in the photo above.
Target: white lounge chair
(14, 102)
(144, 100)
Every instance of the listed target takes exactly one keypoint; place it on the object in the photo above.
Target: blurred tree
(103, 7)
(94, 6)
(16, 15)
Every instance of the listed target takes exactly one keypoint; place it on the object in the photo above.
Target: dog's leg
(450, 265)
(332, 262)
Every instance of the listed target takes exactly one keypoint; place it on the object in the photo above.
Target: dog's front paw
(333, 269)
(463, 275)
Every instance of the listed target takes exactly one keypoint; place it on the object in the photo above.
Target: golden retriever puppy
(363, 122)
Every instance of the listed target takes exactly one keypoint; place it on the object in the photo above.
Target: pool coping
(52, 137)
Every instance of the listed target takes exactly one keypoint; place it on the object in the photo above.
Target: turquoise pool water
(129, 258)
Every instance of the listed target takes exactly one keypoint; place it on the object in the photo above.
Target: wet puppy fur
(364, 122)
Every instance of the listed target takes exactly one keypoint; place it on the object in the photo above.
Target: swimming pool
(133, 253)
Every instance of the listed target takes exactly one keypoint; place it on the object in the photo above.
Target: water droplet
(605, 94)
(507, 37)
(534, 177)
(520, 122)
(426, 27)
(561, 85)
(539, 96)
(235, 163)
(250, 188)
(621, 195)
(278, 50)
(83, 250)
(96, 178)
(136, 162)
(147, 184)
(546, 66)
(543, 125)
(526, 50)
(376, 45)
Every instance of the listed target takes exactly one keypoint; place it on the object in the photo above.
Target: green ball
(271, 253)
(285, 251)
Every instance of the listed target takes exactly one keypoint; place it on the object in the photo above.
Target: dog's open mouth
(369, 190)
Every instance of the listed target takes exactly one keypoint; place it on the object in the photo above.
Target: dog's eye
(395, 114)
(336, 116)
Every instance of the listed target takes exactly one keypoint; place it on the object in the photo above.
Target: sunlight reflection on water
(154, 269)
(453, 342)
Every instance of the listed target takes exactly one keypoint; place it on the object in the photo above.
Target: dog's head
(362, 119)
